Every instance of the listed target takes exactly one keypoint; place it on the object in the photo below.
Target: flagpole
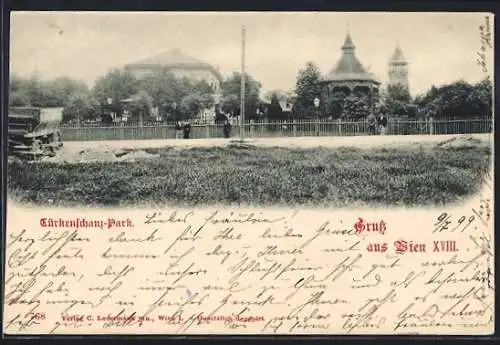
(242, 91)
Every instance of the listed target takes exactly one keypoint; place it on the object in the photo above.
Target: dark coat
(372, 120)
(383, 121)
(187, 130)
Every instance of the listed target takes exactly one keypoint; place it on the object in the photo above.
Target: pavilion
(349, 76)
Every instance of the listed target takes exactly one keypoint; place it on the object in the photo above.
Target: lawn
(257, 176)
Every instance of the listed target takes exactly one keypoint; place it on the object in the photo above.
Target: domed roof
(348, 67)
(173, 58)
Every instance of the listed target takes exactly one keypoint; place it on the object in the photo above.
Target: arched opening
(361, 90)
(336, 100)
(340, 91)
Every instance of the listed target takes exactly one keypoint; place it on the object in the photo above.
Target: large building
(181, 65)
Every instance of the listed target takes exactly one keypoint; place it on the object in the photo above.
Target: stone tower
(398, 69)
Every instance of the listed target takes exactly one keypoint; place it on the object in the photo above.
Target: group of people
(377, 123)
(183, 129)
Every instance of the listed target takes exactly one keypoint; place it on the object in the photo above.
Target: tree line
(175, 98)
(172, 98)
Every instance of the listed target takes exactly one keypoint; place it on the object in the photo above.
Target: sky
(440, 47)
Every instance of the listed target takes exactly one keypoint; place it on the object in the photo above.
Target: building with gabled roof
(181, 65)
(177, 62)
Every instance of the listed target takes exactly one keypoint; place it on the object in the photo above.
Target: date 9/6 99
(478, 216)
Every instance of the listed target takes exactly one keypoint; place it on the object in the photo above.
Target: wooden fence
(295, 128)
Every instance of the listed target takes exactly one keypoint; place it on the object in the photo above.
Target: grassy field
(253, 176)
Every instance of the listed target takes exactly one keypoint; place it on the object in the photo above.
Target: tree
(398, 93)
(163, 88)
(283, 96)
(17, 83)
(459, 99)
(175, 97)
(355, 107)
(61, 89)
(35, 92)
(19, 98)
(196, 96)
(18, 92)
(141, 105)
(481, 99)
(81, 106)
(307, 88)
(275, 110)
(396, 101)
(231, 91)
(116, 85)
(38, 94)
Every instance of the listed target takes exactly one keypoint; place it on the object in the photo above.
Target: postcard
(250, 173)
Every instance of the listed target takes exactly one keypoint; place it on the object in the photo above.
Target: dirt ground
(115, 151)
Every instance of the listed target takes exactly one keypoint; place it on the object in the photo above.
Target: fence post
(141, 131)
(122, 130)
(207, 130)
(431, 126)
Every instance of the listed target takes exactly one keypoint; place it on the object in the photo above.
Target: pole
(372, 99)
(242, 91)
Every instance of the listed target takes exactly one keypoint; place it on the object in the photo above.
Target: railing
(287, 128)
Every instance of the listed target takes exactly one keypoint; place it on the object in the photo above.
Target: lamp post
(317, 103)
(372, 98)
(109, 101)
(316, 107)
(174, 107)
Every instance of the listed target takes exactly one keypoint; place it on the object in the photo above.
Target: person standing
(187, 130)
(383, 124)
(227, 129)
(372, 123)
(178, 130)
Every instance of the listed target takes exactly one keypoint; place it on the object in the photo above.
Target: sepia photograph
(250, 173)
(249, 109)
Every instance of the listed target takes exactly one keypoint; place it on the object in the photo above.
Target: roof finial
(348, 45)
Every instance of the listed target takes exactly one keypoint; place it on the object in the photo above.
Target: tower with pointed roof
(349, 76)
(398, 69)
